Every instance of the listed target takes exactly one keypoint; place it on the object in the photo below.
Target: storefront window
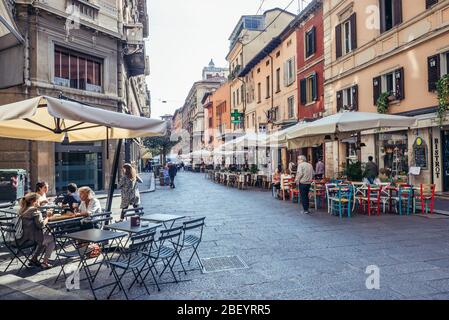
(393, 153)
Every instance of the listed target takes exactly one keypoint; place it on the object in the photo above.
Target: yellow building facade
(393, 50)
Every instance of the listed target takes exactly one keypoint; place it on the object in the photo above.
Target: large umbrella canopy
(279, 138)
(348, 122)
(250, 139)
(50, 119)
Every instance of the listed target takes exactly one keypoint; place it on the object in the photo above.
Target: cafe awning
(51, 119)
(9, 34)
(346, 122)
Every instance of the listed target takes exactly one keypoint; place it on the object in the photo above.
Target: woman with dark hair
(41, 190)
(129, 188)
(33, 230)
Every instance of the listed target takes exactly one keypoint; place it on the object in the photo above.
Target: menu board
(420, 153)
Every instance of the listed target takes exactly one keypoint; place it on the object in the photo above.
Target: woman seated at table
(34, 231)
(41, 190)
(89, 204)
(277, 180)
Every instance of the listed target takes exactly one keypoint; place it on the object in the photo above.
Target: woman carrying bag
(129, 188)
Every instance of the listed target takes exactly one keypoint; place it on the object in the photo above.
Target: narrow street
(290, 255)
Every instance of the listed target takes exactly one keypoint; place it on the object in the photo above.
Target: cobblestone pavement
(291, 255)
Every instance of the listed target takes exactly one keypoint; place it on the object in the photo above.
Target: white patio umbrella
(50, 119)
(347, 122)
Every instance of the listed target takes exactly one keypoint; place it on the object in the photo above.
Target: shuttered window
(433, 71)
(390, 14)
(346, 36)
(310, 42)
(347, 99)
(309, 89)
(392, 82)
(430, 3)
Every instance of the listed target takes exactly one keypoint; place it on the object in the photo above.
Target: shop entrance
(445, 157)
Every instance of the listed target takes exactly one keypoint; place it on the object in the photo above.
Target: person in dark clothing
(72, 198)
(371, 170)
(172, 170)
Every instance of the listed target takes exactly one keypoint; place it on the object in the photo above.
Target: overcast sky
(184, 36)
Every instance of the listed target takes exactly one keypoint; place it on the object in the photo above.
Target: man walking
(172, 170)
(371, 170)
(304, 177)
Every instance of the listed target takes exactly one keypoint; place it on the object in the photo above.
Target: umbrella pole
(113, 174)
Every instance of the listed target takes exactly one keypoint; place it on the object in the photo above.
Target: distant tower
(211, 72)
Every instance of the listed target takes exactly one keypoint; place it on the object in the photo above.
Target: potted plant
(254, 169)
(443, 97)
(353, 171)
(383, 101)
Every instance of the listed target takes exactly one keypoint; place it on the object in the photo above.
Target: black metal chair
(133, 259)
(100, 220)
(21, 253)
(133, 211)
(63, 256)
(191, 239)
(166, 251)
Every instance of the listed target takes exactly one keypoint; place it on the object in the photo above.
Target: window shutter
(353, 21)
(355, 98)
(377, 88)
(400, 90)
(339, 101)
(315, 87)
(303, 94)
(313, 46)
(293, 70)
(397, 12)
(430, 3)
(433, 67)
(338, 41)
(382, 15)
(285, 73)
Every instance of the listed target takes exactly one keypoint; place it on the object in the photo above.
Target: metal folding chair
(166, 251)
(21, 253)
(133, 259)
(134, 211)
(191, 239)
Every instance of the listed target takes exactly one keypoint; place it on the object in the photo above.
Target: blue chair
(341, 200)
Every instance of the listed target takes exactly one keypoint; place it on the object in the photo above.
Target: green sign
(236, 117)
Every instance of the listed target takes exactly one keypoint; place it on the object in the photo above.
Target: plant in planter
(443, 97)
(382, 102)
(254, 169)
(353, 171)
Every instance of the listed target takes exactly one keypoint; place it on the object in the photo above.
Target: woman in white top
(41, 190)
(89, 204)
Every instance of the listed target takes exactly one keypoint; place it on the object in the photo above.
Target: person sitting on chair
(276, 182)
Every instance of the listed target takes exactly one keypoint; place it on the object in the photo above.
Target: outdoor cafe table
(163, 218)
(125, 226)
(95, 236)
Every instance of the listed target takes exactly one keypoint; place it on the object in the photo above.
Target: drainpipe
(26, 67)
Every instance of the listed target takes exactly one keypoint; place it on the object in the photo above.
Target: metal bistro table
(125, 226)
(163, 218)
(96, 236)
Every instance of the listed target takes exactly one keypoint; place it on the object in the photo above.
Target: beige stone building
(397, 47)
(90, 51)
(250, 35)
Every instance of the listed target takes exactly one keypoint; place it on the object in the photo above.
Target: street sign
(236, 117)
